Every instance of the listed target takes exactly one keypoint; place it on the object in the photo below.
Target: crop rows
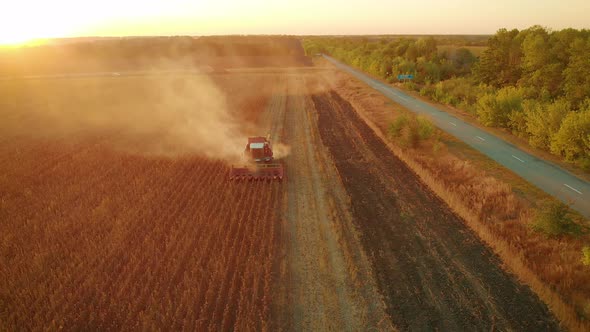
(110, 241)
(92, 238)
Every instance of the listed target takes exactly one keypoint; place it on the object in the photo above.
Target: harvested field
(488, 197)
(432, 270)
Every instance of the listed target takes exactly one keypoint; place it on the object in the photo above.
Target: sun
(15, 39)
(20, 25)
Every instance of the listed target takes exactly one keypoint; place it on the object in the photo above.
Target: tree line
(534, 82)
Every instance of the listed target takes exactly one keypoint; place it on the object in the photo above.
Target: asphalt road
(551, 178)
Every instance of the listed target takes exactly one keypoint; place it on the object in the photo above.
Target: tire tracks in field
(323, 269)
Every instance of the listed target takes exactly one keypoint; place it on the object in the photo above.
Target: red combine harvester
(259, 156)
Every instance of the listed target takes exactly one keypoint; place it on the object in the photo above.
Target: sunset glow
(25, 20)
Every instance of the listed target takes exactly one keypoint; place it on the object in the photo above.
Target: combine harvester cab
(260, 162)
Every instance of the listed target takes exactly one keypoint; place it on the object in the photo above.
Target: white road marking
(481, 138)
(454, 124)
(515, 157)
(572, 188)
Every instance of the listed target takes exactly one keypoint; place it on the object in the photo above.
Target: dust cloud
(280, 150)
(191, 117)
(163, 115)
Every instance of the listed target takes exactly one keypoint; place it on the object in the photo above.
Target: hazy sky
(26, 19)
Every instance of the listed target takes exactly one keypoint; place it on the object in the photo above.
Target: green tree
(517, 123)
(500, 63)
(572, 140)
(554, 220)
(541, 69)
(560, 42)
(544, 120)
(535, 49)
(425, 128)
(428, 71)
(426, 47)
(463, 59)
(396, 126)
(412, 52)
(494, 109)
(577, 73)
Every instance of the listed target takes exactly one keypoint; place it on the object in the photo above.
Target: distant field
(163, 53)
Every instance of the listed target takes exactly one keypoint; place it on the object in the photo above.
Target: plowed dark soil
(432, 270)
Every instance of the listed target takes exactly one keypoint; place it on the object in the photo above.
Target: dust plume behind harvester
(260, 164)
